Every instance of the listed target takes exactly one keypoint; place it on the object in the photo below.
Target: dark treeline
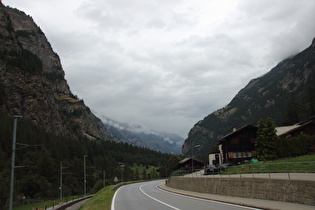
(40, 178)
(24, 60)
(295, 146)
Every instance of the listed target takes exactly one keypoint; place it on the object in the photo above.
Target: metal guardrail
(257, 168)
(71, 203)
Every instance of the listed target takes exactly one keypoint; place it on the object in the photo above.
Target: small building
(186, 164)
(216, 158)
(239, 146)
(307, 128)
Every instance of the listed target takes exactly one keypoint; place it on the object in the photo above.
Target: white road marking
(113, 200)
(140, 188)
(211, 201)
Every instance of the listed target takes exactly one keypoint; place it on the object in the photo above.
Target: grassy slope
(277, 166)
(141, 168)
(42, 205)
(305, 158)
(101, 200)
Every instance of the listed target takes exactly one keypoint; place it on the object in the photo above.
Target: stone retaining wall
(296, 191)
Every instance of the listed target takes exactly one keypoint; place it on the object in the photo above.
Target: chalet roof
(285, 129)
(248, 126)
(281, 131)
(184, 160)
(187, 159)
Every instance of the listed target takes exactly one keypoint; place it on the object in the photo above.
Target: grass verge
(44, 204)
(101, 200)
(296, 164)
(39, 206)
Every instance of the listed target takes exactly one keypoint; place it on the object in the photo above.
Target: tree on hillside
(173, 163)
(144, 174)
(266, 140)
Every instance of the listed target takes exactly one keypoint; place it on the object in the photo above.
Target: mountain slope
(32, 81)
(267, 96)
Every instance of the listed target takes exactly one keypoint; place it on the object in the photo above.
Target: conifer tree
(266, 140)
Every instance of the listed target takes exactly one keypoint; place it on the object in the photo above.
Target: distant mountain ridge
(139, 136)
(285, 91)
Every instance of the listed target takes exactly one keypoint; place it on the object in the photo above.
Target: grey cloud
(167, 64)
(156, 23)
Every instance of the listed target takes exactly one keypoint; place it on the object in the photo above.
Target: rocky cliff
(32, 81)
(285, 94)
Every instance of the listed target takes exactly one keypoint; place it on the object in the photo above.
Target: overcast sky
(166, 64)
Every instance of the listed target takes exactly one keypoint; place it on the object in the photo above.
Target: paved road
(147, 196)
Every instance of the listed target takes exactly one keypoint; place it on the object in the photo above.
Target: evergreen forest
(39, 155)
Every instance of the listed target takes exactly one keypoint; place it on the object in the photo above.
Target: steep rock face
(30, 37)
(32, 81)
(266, 96)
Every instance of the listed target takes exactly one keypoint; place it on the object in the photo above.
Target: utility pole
(84, 156)
(61, 173)
(13, 160)
(103, 178)
(61, 181)
(192, 157)
(122, 172)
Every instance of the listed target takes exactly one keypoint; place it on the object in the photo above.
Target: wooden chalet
(307, 129)
(239, 146)
(186, 164)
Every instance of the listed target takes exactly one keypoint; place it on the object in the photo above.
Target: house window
(249, 154)
(239, 154)
(234, 155)
(244, 154)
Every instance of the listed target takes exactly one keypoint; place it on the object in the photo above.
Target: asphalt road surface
(147, 196)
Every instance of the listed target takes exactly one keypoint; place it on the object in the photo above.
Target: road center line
(140, 188)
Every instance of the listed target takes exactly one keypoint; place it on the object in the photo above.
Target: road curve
(146, 195)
